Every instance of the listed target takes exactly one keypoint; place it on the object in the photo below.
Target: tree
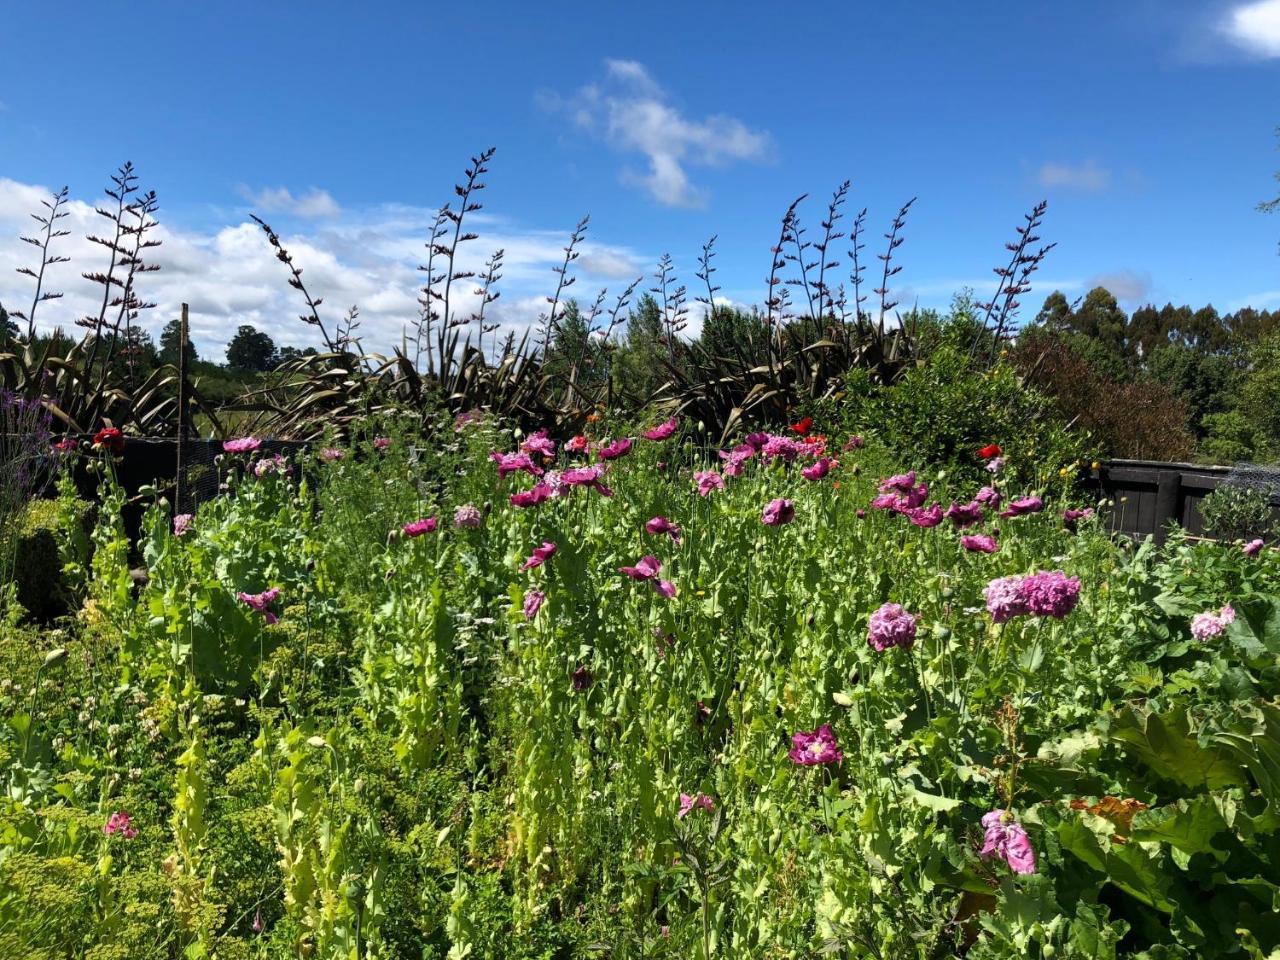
(251, 350)
(293, 353)
(8, 329)
(639, 361)
(1271, 206)
(574, 355)
(729, 332)
(169, 344)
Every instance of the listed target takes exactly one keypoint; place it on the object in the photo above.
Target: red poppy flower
(803, 427)
(110, 438)
(989, 451)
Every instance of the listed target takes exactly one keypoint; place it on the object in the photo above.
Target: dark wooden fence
(1148, 494)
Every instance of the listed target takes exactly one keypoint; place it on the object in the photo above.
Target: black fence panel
(1148, 494)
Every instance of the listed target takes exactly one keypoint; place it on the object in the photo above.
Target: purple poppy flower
(1005, 838)
(891, 626)
(664, 588)
(646, 568)
(586, 477)
(811, 749)
(818, 469)
(582, 679)
(1004, 599)
(756, 441)
(262, 602)
(777, 512)
(964, 514)
(331, 454)
(899, 483)
(241, 445)
(181, 524)
(995, 465)
(1070, 518)
(539, 443)
(539, 556)
(853, 443)
(513, 462)
(989, 497)
(538, 493)
(467, 517)
(980, 543)
(1050, 593)
(660, 525)
(381, 444)
(533, 603)
(1022, 506)
(708, 480)
(783, 448)
(1253, 548)
(929, 516)
(735, 459)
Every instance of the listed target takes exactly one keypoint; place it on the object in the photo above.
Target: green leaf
(1166, 743)
(1188, 825)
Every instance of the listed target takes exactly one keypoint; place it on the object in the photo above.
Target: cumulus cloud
(1131, 286)
(1254, 28)
(629, 110)
(1087, 177)
(314, 204)
(367, 257)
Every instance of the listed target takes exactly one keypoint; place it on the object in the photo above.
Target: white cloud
(366, 257)
(630, 111)
(1254, 28)
(1132, 286)
(1087, 177)
(314, 204)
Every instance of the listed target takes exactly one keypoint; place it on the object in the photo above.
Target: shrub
(38, 571)
(1232, 512)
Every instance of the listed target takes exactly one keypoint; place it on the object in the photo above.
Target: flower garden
(623, 695)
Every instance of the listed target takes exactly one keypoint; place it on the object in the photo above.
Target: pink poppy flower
(818, 469)
(539, 556)
(777, 512)
(538, 493)
(735, 459)
(1071, 518)
(381, 444)
(618, 448)
(689, 803)
(512, 462)
(539, 443)
(811, 749)
(662, 431)
(1022, 506)
(929, 516)
(995, 465)
(1253, 548)
(980, 543)
(586, 477)
(853, 443)
(664, 588)
(181, 524)
(1005, 838)
(241, 445)
(708, 480)
(533, 603)
(899, 483)
(467, 517)
(416, 528)
(756, 441)
(1050, 593)
(783, 448)
(989, 497)
(646, 568)
(262, 602)
(331, 454)
(660, 525)
(120, 822)
(891, 626)
(577, 444)
(269, 465)
(1004, 599)
(1210, 624)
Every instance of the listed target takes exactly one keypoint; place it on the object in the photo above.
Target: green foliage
(38, 573)
(1232, 512)
(250, 350)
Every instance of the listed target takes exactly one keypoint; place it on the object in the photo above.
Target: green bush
(38, 568)
(1232, 512)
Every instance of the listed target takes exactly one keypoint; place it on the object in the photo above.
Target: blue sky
(1148, 126)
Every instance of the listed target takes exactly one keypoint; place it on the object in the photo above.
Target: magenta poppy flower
(539, 443)
(818, 469)
(1006, 839)
(261, 602)
(995, 465)
(66, 445)
(586, 477)
(381, 444)
(929, 516)
(467, 517)
(1070, 518)
(539, 556)
(899, 483)
(980, 543)
(853, 443)
(1022, 506)
(989, 497)
(661, 525)
(181, 524)
(1253, 548)
(646, 568)
(662, 431)
(582, 679)
(1050, 593)
(964, 514)
(689, 803)
(663, 588)
(513, 462)
(416, 528)
(756, 441)
(811, 749)
(783, 448)
(735, 459)
(708, 480)
(533, 603)
(538, 493)
(120, 822)
(891, 626)
(777, 512)
(1004, 599)
(331, 454)
(241, 445)
(618, 448)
